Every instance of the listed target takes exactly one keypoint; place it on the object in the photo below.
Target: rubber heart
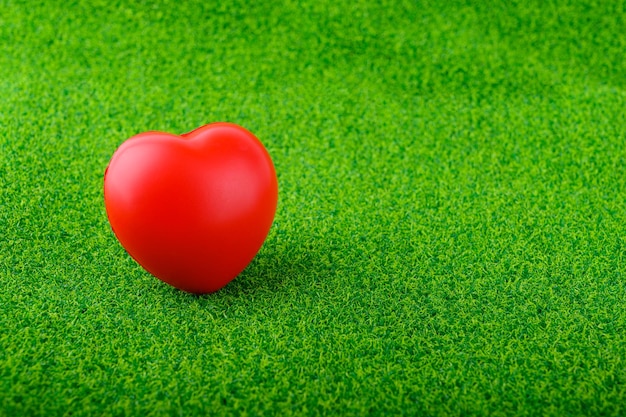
(192, 209)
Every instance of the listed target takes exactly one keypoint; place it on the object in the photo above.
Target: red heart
(194, 209)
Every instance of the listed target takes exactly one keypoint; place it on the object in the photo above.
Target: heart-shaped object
(192, 209)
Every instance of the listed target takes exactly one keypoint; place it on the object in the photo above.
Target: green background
(450, 231)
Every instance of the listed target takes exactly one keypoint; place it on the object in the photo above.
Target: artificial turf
(451, 227)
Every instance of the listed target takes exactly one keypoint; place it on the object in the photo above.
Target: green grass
(451, 228)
